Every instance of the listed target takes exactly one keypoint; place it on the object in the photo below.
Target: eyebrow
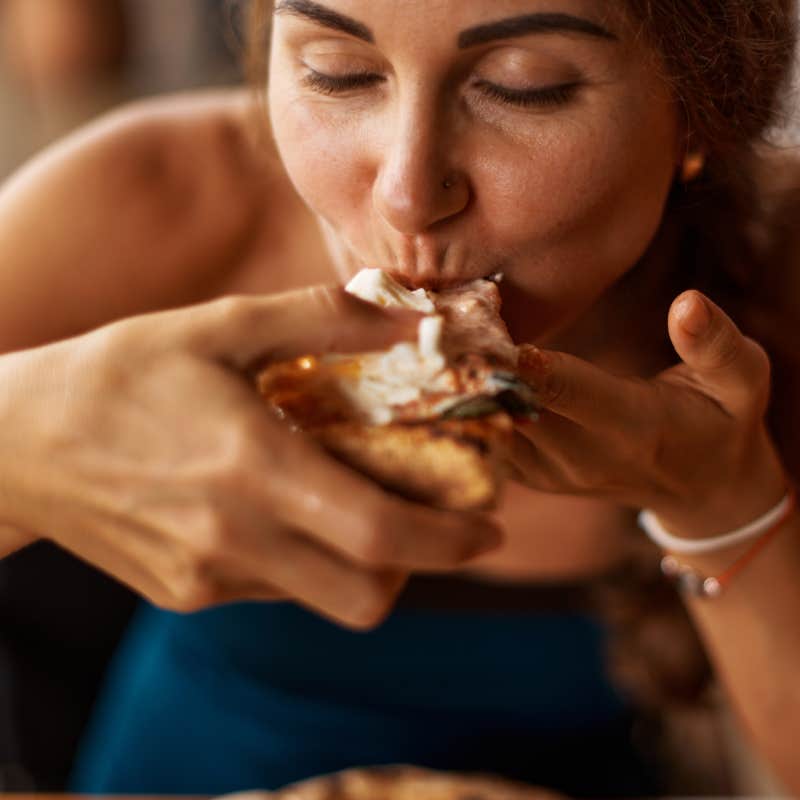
(532, 23)
(471, 37)
(325, 17)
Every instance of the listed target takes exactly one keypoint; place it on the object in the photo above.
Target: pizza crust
(452, 464)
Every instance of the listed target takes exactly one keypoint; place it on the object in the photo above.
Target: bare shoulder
(152, 146)
(133, 212)
(150, 154)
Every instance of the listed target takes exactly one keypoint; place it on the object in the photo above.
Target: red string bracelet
(689, 581)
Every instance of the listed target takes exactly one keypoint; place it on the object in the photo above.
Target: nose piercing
(448, 183)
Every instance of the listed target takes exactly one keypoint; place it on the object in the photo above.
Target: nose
(417, 184)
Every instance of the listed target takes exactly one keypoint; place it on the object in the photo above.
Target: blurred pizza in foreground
(403, 783)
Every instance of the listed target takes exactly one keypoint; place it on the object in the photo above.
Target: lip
(440, 283)
(441, 275)
(432, 262)
(425, 262)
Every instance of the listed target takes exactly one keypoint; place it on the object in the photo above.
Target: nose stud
(448, 183)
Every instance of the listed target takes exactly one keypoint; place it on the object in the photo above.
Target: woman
(602, 159)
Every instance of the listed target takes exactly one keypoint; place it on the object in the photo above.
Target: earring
(692, 167)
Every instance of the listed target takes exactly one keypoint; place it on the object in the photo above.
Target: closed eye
(544, 96)
(334, 84)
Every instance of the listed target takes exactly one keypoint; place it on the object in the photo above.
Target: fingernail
(694, 315)
(533, 367)
(531, 362)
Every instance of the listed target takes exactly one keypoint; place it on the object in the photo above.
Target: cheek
(576, 206)
(322, 155)
(591, 189)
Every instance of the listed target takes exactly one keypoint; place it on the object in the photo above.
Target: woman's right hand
(143, 448)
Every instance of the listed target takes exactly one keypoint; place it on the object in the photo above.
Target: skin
(540, 192)
(188, 520)
(565, 199)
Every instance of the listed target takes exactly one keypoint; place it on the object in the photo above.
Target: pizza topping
(473, 323)
(378, 287)
(388, 381)
(430, 337)
(461, 365)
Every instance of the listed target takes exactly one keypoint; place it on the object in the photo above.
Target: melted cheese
(378, 287)
(408, 373)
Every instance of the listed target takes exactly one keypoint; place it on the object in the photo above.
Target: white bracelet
(649, 523)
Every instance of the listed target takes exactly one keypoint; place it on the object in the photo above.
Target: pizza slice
(409, 783)
(428, 419)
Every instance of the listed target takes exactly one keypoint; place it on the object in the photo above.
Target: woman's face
(446, 140)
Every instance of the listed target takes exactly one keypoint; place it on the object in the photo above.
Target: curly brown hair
(727, 60)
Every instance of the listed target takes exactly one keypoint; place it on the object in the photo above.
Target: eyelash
(333, 84)
(527, 98)
(524, 98)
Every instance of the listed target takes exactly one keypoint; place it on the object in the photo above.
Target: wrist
(690, 570)
(760, 485)
(18, 441)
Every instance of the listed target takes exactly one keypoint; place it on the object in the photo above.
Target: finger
(582, 392)
(361, 521)
(133, 555)
(249, 329)
(236, 591)
(125, 551)
(555, 455)
(327, 584)
(216, 590)
(253, 558)
(729, 366)
(288, 477)
(234, 577)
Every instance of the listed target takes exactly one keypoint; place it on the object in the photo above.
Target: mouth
(420, 262)
(441, 283)
(436, 261)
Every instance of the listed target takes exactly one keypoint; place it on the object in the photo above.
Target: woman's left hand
(691, 443)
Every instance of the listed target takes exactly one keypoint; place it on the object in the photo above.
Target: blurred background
(63, 62)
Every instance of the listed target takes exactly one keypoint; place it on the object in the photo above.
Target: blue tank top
(259, 695)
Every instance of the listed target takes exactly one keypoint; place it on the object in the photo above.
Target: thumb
(245, 330)
(728, 365)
